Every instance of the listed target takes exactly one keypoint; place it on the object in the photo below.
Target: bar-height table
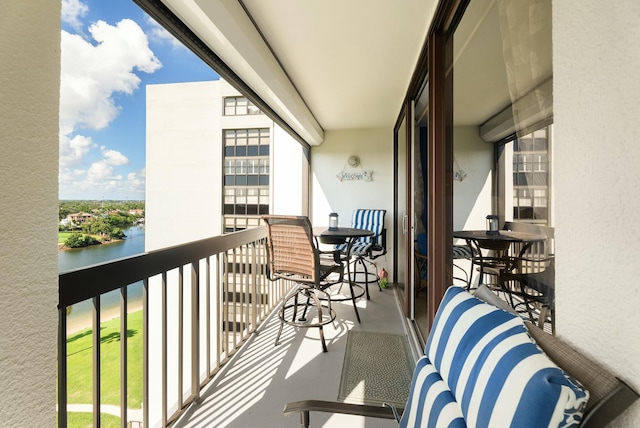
(500, 242)
(350, 236)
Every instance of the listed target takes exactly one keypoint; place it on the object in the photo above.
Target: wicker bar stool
(292, 254)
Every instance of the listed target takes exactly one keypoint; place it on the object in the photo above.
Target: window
(239, 106)
(246, 177)
(530, 184)
(235, 223)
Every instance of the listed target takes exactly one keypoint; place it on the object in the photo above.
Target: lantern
(333, 221)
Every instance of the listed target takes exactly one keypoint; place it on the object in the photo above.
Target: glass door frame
(402, 223)
(436, 64)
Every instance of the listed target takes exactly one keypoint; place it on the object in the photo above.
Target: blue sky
(110, 51)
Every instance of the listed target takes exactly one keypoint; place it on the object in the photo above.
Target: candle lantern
(333, 221)
(492, 224)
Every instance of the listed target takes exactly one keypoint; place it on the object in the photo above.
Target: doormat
(377, 369)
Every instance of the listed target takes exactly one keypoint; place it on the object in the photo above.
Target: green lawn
(62, 236)
(79, 363)
(85, 420)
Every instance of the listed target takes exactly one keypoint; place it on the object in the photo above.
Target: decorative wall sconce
(354, 162)
(458, 174)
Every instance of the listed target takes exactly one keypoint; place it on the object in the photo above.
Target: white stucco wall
(596, 61)
(471, 196)
(375, 149)
(288, 167)
(29, 90)
(184, 163)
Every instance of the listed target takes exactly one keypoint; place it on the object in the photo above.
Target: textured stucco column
(29, 93)
(596, 65)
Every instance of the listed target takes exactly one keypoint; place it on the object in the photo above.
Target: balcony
(208, 356)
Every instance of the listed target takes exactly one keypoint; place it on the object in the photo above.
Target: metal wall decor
(360, 174)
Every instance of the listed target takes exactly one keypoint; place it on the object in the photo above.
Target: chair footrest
(295, 310)
(334, 295)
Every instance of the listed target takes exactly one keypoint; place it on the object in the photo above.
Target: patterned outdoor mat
(377, 369)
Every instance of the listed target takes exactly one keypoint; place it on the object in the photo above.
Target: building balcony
(193, 343)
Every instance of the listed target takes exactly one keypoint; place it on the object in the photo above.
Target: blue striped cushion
(358, 249)
(372, 220)
(430, 403)
(495, 371)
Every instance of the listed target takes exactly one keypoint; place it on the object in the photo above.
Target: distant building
(78, 218)
(215, 163)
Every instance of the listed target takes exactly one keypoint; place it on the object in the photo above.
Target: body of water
(80, 316)
(83, 257)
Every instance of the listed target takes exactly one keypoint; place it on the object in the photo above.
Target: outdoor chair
(365, 250)
(531, 277)
(421, 263)
(586, 394)
(293, 255)
(462, 252)
(537, 292)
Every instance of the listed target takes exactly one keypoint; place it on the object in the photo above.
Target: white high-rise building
(215, 163)
(208, 133)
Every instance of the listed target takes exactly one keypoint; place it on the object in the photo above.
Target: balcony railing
(200, 302)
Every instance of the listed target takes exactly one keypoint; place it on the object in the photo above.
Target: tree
(117, 233)
(78, 240)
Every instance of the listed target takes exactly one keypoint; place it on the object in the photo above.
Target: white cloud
(102, 179)
(114, 157)
(73, 150)
(92, 74)
(72, 11)
(135, 182)
(95, 68)
(101, 172)
(159, 34)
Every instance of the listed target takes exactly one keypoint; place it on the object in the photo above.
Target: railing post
(145, 352)
(123, 357)
(164, 349)
(195, 329)
(208, 315)
(96, 361)
(234, 303)
(255, 295)
(219, 282)
(62, 367)
(180, 333)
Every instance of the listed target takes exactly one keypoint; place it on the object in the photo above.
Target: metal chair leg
(319, 308)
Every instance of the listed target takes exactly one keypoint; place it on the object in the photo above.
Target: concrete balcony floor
(252, 389)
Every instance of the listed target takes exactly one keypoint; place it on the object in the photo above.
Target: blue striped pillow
(494, 369)
(430, 403)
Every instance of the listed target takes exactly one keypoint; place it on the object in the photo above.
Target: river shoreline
(61, 246)
(107, 314)
(69, 259)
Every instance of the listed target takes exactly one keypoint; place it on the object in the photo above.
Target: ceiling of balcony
(333, 64)
(348, 63)
(350, 60)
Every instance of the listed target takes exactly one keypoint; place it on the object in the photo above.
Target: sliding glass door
(403, 266)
